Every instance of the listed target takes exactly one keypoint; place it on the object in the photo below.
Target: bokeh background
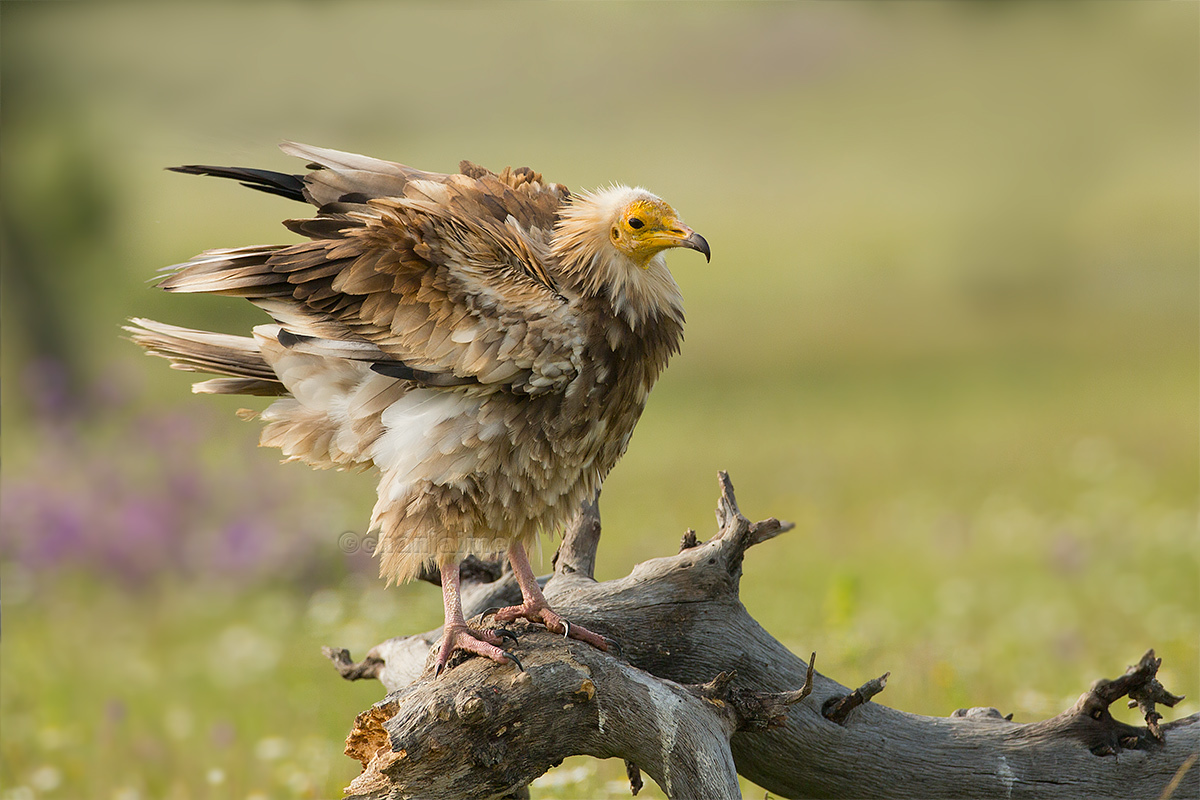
(950, 328)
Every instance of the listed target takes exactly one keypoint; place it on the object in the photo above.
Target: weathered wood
(679, 619)
(577, 553)
(483, 731)
(837, 709)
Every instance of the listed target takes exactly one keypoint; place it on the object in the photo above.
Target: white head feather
(592, 248)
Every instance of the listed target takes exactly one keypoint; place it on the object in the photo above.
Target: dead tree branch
(479, 731)
(681, 624)
(837, 709)
(577, 553)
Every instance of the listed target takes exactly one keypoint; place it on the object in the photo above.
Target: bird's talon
(613, 644)
(513, 659)
(566, 629)
(486, 611)
(505, 633)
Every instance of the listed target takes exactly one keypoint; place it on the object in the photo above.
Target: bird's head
(643, 226)
(621, 221)
(611, 242)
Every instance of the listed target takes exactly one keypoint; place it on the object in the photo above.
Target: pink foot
(484, 643)
(540, 611)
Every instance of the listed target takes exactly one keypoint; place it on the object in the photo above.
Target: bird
(485, 341)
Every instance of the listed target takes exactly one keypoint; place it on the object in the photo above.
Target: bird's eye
(635, 223)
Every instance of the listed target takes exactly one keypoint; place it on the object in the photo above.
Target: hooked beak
(696, 242)
(676, 234)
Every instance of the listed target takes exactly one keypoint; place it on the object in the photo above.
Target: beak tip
(698, 243)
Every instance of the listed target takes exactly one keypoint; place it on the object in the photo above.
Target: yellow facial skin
(647, 227)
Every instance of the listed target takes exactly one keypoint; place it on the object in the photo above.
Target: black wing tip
(402, 371)
(394, 369)
(277, 183)
(289, 339)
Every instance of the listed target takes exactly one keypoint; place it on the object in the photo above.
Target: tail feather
(251, 386)
(236, 272)
(237, 357)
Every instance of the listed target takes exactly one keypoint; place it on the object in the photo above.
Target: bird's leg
(457, 636)
(535, 607)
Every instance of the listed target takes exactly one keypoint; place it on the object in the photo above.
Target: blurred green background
(950, 328)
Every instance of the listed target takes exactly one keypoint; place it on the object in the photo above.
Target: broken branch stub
(736, 532)
(577, 553)
(349, 669)
(837, 709)
(1140, 684)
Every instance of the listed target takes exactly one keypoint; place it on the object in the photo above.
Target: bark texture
(700, 693)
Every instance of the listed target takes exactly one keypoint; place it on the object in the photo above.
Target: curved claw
(489, 610)
(505, 633)
(566, 629)
(513, 659)
(613, 644)
(437, 671)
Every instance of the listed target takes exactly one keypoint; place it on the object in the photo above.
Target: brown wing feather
(446, 275)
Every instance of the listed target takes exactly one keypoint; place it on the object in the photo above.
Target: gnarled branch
(483, 731)
(680, 623)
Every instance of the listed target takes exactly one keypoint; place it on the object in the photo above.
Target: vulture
(486, 341)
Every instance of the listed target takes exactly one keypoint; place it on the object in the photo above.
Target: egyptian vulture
(486, 341)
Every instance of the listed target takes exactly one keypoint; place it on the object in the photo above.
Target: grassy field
(950, 329)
